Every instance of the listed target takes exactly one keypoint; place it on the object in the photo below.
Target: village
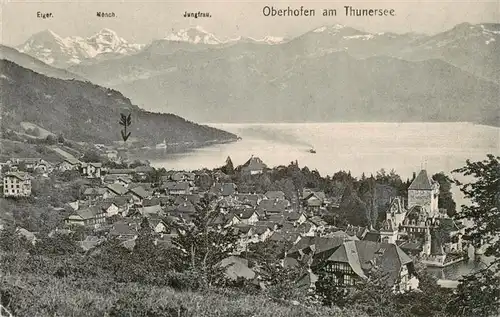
(113, 202)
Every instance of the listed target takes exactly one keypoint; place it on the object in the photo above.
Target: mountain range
(62, 52)
(82, 111)
(331, 73)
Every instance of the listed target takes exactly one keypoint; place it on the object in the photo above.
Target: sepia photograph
(250, 158)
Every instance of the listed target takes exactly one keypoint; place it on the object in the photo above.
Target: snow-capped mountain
(194, 35)
(270, 40)
(63, 52)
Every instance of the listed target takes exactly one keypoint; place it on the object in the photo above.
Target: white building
(16, 184)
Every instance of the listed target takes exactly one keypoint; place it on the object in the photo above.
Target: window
(348, 280)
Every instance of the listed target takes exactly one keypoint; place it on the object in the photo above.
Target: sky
(141, 22)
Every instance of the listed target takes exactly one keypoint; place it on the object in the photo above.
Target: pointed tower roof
(421, 182)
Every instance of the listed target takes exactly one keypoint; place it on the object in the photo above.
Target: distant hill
(332, 73)
(82, 111)
(34, 64)
(332, 87)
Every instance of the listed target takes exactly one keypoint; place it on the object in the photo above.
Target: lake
(356, 147)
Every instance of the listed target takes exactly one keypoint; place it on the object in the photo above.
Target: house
(43, 167)
(91, 170)
(296, 218)
(94, 194)
(269, 206)
(254, 166)
(314, 201)
(225, 220)
(116, 189)
(236, 268)
(69, 164)
(306, 229)
(89, 217)
(112, 155)
(249, 199)
(373, 236)
(247, 216)
(157, 224)
(224, 189)
(154, 210)
(186, 207)
(28, 164)
(109, 207)
(177, 188)
(354, 261)
(124, 230)
(357, 231)
(123, 203)
(153, 201)
(265, 223)
(275, 195)
(16, 184)
(90, 242)
(142, 172)
(121, 172)
(182, 177)
(139, 194)
(319, 223)
(259, 233)
(285, 236)
(123, 180)
(308, 246)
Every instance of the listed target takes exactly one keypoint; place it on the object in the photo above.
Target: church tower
(424, 192)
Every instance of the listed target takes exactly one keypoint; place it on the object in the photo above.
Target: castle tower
(424, 192)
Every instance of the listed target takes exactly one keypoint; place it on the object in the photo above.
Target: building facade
(16, 184)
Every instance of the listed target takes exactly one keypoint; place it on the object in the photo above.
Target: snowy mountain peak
(44, 37)
(329, 28)
(271, 40)
(195, 35)
(61, 52)
(48, 33)
(106, 37)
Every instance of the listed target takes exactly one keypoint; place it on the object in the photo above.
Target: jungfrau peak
(195, 35)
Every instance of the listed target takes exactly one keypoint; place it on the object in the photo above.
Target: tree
(329, 293)
(478, 294)
(90, 156)
(201, 247)
(60, 138)
(445, 196)
(50, 139)
(144, 241)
